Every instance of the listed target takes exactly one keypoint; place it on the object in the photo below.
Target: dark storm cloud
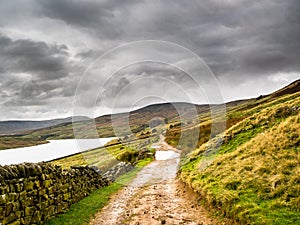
(80, 13)
(46, 61)
(241, 37)
(33, 73)
(99, 17)
(48, 44)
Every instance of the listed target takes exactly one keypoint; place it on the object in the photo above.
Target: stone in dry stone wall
(33, 193)
(118, 170)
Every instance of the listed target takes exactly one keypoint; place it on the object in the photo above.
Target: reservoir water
(52, 150)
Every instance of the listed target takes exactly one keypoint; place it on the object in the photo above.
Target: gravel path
(153, 197)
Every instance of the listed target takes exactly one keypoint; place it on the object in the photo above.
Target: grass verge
(82, 212)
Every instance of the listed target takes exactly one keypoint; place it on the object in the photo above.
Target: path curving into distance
(154, 197)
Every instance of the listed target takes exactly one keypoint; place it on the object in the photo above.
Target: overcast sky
(251, 47)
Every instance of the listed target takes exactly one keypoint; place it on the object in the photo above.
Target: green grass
(105, 157)
(238, 141)
(255, 176)
(83, 211)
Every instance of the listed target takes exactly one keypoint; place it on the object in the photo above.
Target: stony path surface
(153, 197)
(163, 203)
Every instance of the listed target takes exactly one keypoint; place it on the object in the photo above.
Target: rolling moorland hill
(17, 126)
(254, 177)
(236, 112)
(139, 121)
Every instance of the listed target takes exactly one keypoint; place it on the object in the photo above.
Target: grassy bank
(83, 211)
(8, 142)
(254, 177)
(106, 157)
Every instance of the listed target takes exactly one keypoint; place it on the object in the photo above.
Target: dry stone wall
(33, 193)
(118, 170)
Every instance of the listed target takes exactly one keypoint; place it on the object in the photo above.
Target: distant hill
(289, 89)
(17, 126)
(138, 119)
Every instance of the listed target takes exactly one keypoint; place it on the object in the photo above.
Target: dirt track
(153, 197)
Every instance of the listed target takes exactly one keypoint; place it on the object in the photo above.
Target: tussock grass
(255, 177)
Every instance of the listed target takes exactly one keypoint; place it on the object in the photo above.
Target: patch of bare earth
(164, 203)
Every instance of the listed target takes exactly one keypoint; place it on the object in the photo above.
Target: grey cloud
(242, 41)
(35, 73)
(46, 61)
(242, 37)
(81, 13)
(33, 92)
(98, 17)
(148, 82)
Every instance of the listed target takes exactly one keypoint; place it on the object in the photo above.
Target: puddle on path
(165, 155)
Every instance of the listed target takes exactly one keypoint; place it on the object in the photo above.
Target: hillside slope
(236, 112)
(254, 177)
(289, 89)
